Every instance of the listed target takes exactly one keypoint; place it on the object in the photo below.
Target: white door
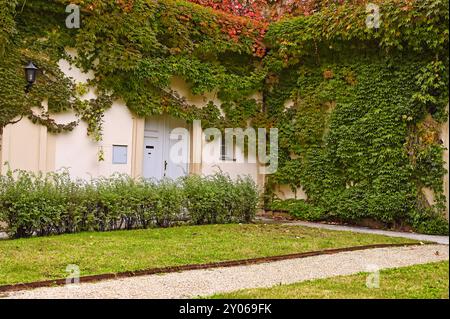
(166, 148)
(153, 149)
(153, 156)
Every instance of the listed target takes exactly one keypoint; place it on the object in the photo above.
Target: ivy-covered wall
(361, 134)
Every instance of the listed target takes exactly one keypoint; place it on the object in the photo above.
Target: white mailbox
(120, 154)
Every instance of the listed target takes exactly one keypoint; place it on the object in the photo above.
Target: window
(227, 154)
(120, 154)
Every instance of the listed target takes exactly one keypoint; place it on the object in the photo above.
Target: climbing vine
(358, 109)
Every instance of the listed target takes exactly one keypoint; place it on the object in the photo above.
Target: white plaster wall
(74, 151)
(77, 152)
(245, 164)
(25, 148)
(118, 130)
(232, 169)
(211, 163)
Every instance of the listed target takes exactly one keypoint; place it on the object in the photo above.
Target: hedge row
(37, 204)
(425, 222)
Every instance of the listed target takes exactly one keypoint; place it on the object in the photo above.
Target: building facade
(139, 147)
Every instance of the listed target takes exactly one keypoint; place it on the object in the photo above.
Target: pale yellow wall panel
(21, 146)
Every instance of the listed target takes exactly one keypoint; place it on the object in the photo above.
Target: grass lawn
(43, 258)
(419, 281)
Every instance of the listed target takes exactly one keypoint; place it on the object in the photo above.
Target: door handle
(165, 166)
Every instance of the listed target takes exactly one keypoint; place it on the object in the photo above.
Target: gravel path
(207, 282)
(444, 240)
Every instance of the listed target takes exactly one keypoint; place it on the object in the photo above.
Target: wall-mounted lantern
(30, 75)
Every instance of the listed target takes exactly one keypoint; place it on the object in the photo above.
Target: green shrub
(246, 200)
(169, 202)
(299, 209)
(38, 204)
(34, 203)
(428, 222)
(425, 221)
(219, 199)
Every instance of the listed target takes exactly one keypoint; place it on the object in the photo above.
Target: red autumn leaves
(262, 10)
(252, 17)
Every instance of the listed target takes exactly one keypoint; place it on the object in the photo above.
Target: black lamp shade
(30, 73)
